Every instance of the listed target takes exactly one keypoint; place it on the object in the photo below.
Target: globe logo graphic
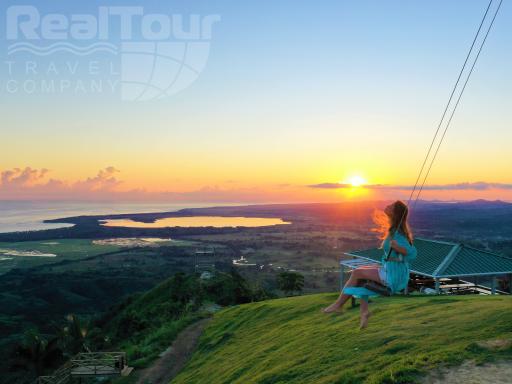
(155, 70)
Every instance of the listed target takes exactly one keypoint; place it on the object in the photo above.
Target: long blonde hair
(387, 221)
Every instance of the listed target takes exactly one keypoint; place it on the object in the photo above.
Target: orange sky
(107, 184)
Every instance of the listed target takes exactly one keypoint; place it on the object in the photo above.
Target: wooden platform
(95, 370)
(89, 365)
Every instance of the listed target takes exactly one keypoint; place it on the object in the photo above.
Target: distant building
(204, 260)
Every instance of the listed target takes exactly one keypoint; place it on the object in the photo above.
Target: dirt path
(175, 358)
(469, 373)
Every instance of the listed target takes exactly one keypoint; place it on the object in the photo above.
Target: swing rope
(449, 101)
(446, 110)
(458, 100)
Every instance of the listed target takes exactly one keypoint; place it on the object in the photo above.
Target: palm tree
(290, 282)
(36, 354)
(74, 336)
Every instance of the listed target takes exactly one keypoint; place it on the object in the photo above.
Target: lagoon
(16, 216)
(197, 221)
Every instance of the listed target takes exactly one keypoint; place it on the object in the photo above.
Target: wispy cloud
(35, 184)
(19, 183)
(331, 186)
(475, 186)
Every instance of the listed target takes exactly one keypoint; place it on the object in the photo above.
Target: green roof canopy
(442, 259)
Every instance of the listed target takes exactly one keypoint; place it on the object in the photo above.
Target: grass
(290, 341)
(147, 325)
(147, 349)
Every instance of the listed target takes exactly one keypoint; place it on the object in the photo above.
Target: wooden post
(438, 290)
(493, 285)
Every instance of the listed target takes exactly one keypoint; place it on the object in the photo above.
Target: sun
(356, 181)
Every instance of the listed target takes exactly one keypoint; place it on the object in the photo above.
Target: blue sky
(294, 92)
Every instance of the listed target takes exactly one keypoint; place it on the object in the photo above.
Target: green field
(65, 249)
(311, 252)
(32, 253)
(290, 341)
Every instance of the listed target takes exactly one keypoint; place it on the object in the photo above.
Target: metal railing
(98, 363)
(87, 364)
(60, 376)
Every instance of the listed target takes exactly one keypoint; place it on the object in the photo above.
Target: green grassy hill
(290, 341)
(143, 325)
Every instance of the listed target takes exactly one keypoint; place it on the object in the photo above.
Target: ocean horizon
(20, 216)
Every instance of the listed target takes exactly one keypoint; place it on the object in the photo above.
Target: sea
(18, 216)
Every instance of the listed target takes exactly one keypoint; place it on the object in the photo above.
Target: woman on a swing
(394, 271)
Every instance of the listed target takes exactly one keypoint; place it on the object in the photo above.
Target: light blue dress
(396, 272)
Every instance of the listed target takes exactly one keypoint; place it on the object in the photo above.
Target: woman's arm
(404, 248)
(401, 246)
(397, 248)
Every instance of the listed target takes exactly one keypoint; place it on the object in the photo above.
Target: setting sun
(356, 181)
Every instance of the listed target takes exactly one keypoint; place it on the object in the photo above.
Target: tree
(228, 288)
(290, 282)
(74, 336)
(36, 354)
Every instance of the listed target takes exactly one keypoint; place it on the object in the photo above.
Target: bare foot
(364, 320)
(334, 307)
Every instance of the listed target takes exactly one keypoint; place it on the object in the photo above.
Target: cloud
(331, 186)
(105, 180)
(476, 186)
(29, 183)
(37, 184)
(22, 177)
(34, 184)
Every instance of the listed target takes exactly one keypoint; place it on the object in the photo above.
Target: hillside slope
(290, 341)
(145, 325)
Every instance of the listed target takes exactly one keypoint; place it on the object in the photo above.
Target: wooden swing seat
(374, 287)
